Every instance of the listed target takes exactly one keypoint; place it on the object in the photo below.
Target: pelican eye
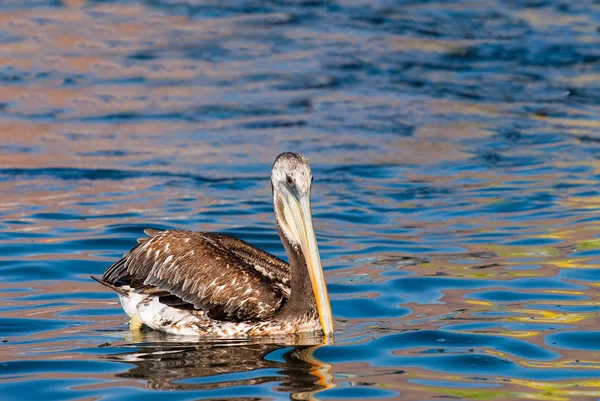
(289, 180)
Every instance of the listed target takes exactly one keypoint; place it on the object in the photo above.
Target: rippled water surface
(456, 152)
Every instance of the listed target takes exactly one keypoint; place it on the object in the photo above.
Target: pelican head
(291, 179)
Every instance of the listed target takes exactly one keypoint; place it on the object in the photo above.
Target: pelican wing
(266, 264)
(223, 276)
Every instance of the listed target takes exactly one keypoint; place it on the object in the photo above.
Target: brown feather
(223, 276)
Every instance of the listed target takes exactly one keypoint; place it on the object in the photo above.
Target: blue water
(455, 147)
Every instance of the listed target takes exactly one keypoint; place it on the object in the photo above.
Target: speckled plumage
(207, 284)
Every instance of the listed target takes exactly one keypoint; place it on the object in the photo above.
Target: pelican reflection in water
(209, 366)
(207, 284)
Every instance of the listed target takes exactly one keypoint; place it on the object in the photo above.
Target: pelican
(209, 284)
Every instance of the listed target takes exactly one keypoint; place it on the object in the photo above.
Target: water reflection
(293, 369)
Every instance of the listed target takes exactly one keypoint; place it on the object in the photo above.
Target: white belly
(159, 316)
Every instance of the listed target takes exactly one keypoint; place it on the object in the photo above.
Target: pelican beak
(315, 270)
(299, 219)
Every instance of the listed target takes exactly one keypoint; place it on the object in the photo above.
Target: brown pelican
(208, 284)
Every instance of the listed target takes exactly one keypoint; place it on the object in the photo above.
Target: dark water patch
(431, 289)
(51, 389)
(448, 339)
(27, 250)
(89, 312)
(11, 236)
(588, 139)
(494, 314)
(524, 267)
(17, 149)
(375, 171)
(92, 244)
(13, 308)
(268, 374)
(18, 270)
(512, 296)
(534, 242)
(74, 174)
(446, 384)
(586, 253)
(273, 124)
(412, 191)
(64, 366)
(586, 341)
(470, 363)
(303, 82)
(496, 159)
(110, 153)
(558, 307)
(23, 327)
(407, 249)
(353, 308)
(520, 204)
(359, 392)
(65, 296)
(56, 216)
(591, 275)
(514, 326)
(350, 288)
(350, 216)
(77, 174)
(22, 223)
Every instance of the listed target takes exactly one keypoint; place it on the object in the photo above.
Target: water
(455, 148)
